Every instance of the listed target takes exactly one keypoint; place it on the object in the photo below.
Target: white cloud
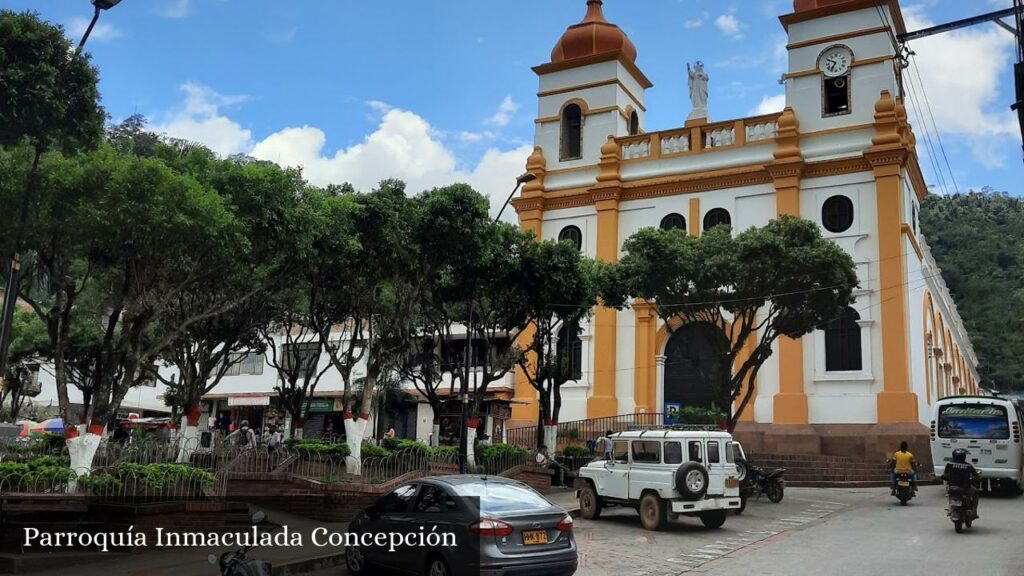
(695, 23)
(503, 115)
(199, 119)
(961, 72)
(175, 9)
(403, 145)
(101, 32)
(770, 104)
(729, 26)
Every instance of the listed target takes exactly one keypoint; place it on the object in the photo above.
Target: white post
(354, 430)
(659, 386)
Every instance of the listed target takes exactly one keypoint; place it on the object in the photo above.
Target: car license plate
(531, 537)
(904, 483)
(732, 483)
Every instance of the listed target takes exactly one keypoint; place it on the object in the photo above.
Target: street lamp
(464, 385)
(100, 5)
(11, 292)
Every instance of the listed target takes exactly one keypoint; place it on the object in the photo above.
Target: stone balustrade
(756, 130)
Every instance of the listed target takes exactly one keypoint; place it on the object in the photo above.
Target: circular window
(673, 222)
(717, 217)
(572, 234)
(837, 214)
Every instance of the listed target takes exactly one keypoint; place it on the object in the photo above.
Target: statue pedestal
(700, 120)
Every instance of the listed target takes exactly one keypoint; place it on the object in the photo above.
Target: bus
(989, 428)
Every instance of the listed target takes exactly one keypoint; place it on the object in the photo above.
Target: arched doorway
(691, 367)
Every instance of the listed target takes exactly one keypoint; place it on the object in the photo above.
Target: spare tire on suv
(692, 481)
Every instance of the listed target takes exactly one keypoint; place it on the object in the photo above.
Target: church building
(841, 154)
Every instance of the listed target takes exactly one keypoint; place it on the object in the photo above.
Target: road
(813, 531)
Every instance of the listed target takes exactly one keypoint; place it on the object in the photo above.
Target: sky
(442, 91)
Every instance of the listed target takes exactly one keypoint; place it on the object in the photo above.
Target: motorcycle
(963, 507)
(235, 562)
(904, 487)
(768, 482)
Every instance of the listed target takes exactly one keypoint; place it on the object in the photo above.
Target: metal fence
(585, 432)
(116, 486)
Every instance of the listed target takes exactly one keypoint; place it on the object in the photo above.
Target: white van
(664, 474)
(989, 428)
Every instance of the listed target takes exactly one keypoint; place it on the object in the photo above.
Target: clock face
(835, 61)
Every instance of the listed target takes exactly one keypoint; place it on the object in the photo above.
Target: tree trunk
(82, 449)
(354, 430)
(471, 425)
(190, 436)
(435, 433)
(551, 436)
(299, 425)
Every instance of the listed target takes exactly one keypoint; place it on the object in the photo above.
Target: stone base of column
(791, 439)
(884, 439)
(894, 407)
(602, 406)
(790, 408)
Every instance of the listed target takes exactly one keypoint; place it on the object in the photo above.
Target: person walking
(603, 448)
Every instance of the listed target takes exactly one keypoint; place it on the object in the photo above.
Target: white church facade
(841, 154)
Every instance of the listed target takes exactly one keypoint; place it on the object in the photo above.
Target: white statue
(698, 82)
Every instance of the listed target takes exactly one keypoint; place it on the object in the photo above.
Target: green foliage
(502, 452)
(390, 443)
(698, 415)
(46, 94)
(163, 475)
(318, 447)
(783, 279)
(48, 462)
(977, 240)
(372, 451)
(100, 483)
(444, 452)
(412, 446)
(575, 451)
(11, 469)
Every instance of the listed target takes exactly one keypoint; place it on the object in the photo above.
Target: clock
(835, 61)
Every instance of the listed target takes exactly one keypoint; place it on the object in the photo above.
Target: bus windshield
(974, 422)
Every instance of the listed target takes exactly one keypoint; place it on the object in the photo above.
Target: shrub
(162, 475)
(9, 469)
(371, 451)
(49, 462)
(100, 483)
(575, 452)
(696, 415)
(496, 451)
(391, 443)
(320, 448)
(413, 446)
(444, 452)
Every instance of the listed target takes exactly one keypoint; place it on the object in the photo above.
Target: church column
(790, 404)
(644, 373)
(896, 403)
(603, 401)
(530, 207)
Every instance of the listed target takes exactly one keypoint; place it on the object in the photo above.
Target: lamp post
(11, 291)
(464, 385)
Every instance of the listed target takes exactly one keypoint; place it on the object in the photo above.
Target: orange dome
(594, 35)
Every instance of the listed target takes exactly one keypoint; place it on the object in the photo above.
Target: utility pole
(1017, 13)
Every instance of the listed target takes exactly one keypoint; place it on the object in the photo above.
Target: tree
(780, 280)
(48, 100)
(559, 287)
(28, 348)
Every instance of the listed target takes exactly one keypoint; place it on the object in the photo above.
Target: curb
(296, 567)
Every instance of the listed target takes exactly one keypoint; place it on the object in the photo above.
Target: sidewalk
(564, 497)
(193, 561)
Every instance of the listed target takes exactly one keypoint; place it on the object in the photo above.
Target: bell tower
(842, 55)
(591, 89)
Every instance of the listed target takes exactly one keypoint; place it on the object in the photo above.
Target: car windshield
(497, 498)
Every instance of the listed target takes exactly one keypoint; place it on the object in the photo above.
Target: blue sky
(442, 90)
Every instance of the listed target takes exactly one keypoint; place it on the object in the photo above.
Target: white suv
(664, 474)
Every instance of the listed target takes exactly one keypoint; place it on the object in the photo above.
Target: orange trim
(836, 37)
(694, 216)
(604, 401)
(598, 84)
(856, 63)
(909, 233)
(846, 6)
(595, 59)
(644, 394)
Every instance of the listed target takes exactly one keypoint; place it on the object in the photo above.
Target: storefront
(491, 427)
(324, 418)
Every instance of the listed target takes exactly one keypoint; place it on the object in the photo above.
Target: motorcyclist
(903, 463)
(961, 474)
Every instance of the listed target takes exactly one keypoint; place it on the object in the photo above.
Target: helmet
(960, 455)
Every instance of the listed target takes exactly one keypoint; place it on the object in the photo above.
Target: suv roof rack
(680, 427)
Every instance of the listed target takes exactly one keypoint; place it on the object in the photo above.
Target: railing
(584, 432)
(682, 141)
(115, 486)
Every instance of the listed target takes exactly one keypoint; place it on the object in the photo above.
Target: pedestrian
(544, 459)
(391, 431)
(274, 441)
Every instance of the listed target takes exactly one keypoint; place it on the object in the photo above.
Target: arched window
(572, 234)
(716, 217)
(673, 222)
(634, 123)
(572, 133)
(569, 350)
(837, 214)
(842, 343)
